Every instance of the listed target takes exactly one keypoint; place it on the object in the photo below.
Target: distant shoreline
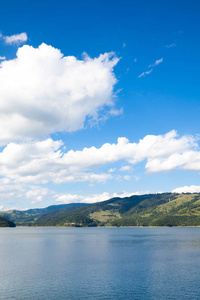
(104, 227)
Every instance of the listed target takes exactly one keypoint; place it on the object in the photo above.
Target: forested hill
(146, 210)
(6, 223)
(30, 216)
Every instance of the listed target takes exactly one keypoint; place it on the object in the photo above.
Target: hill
(30, 216)
(6, 223)
(165, 209)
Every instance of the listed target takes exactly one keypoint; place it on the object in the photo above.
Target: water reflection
(99, 263)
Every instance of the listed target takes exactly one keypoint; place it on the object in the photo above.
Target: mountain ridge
(163, 209)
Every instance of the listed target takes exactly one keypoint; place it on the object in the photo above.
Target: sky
(98, 99)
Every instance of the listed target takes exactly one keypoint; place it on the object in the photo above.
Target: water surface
(99, 263)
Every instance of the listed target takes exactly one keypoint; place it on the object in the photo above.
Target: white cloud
(145, 73)
(187, 160)
(36, 193)
(16, 38)
(24, 165)
(116, 112)
(126, 168)
(70, 198)
(157, 62)
(42, 92)
(10, 192)
(149, 147)
(112, 170)
(14, 194)
(2, 57)
(171, 46)
(187, 189)
(137, 178)
(41, 162)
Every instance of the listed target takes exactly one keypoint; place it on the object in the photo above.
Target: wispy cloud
(145, 73)
(16, 38)
(2, 57)
(157, 62)
(171, 45)
(126, 168)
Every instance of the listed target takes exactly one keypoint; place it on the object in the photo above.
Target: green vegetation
(6, 223)
(29, 217)
(146, 210)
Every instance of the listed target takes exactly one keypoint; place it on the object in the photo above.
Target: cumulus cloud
(188, 160)
(42, 92)
(187, 189)
(16, 38)
(24, 165)
(145, 73)
(42, 162)
(74, 198)
(47, 160)
(150, 146)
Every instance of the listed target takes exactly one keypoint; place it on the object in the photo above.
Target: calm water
(99, 263)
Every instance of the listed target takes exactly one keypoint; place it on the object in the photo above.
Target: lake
(99, 263)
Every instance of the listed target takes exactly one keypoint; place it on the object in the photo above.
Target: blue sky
(75, 77)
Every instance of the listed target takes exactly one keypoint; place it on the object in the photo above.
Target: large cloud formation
(45, 161)
(24, 165)
(42, 92)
